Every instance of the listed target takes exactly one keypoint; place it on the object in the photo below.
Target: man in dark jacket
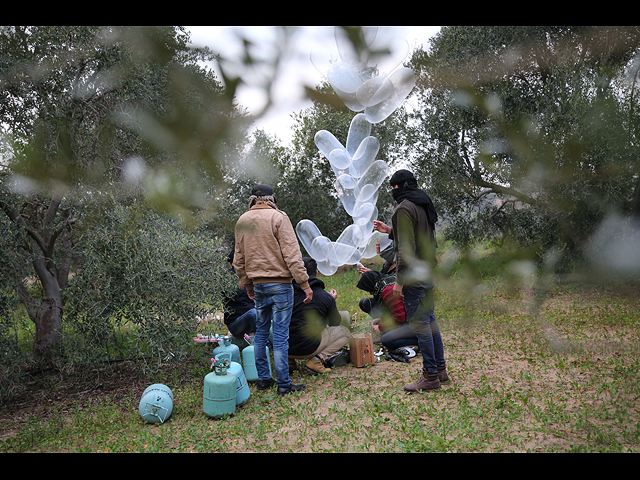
(316, 331)
(413, 233)
(239, 310)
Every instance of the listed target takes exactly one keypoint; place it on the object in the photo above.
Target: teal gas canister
(219, 396)
(156, 403)
(225, 345)
(242, 387)
(249, 360)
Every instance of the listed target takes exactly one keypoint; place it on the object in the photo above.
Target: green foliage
(528, 133)
(143, 283)
(89, 111)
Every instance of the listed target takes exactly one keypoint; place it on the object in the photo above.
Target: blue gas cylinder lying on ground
(156, 403)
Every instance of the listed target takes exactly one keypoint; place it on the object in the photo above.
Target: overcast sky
(297, 69)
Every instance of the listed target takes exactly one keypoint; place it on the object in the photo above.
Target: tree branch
(504, 190)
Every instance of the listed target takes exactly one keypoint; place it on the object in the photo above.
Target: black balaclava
(408, 190)
(368, 281)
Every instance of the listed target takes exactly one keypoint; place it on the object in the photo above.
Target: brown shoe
(315, 366)
(428, 381)
(442, 374)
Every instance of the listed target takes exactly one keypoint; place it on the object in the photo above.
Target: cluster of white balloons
(358, 174)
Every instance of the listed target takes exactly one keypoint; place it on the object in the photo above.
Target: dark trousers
(418, 304)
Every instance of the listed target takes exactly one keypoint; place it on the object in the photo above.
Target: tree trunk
(46, 316)
(37, 220)
(48, 337)
(635, 204)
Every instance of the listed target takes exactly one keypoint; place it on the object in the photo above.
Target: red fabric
(395, 304)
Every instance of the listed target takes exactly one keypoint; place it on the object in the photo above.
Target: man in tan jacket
(267, 258)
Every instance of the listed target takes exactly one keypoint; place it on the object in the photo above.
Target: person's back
(269, 247)
(309, 319)
(267, 258)
(316, 332)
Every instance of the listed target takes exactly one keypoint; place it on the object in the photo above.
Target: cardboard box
(361, 350)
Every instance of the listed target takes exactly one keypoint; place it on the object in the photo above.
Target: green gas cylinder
(249, 360)
(242, 387)
(219, 396)
(225, 345)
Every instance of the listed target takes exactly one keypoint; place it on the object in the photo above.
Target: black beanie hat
(262, 190)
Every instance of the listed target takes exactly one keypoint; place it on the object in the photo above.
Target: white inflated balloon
(365, 155)
(344, 77)
(327, 142)
(364, 215)
(347, 243)
(320, 248)
(347, 181)
(327, 268)
(350, 236)
(356, 256)
(345, 186)
(307, 231)
(342, 252)
(350, 100)
(371, 180)
(363, 218)
(359, 129)
(374, 91)
(403, 81)
(340, 161)
(359, 202)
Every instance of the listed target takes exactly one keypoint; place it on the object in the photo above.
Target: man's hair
(311, 266)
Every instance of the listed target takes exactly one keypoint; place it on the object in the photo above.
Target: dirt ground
(475, 358)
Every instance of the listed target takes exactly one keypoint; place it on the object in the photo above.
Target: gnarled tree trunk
(36, 218)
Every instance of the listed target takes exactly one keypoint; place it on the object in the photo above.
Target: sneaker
(314, 366)
(264, 384)
(291, 388)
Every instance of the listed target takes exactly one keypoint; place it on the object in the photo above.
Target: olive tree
(90, 110)
(528, 134)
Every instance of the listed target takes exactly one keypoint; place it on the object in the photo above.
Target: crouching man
(317, 330)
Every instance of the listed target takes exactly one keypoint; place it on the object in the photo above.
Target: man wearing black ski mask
(413, 233)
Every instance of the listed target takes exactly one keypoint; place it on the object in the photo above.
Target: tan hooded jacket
(267, 249)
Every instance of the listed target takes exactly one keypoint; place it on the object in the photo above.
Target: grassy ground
(551, 374)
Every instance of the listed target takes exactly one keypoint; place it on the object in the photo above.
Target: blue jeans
(274, 303)
(418, 304)
(245, 323)
(402, 336)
